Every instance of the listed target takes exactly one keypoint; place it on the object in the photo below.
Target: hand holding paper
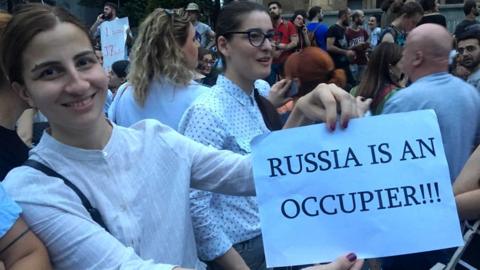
(348, 262)
(322, 104)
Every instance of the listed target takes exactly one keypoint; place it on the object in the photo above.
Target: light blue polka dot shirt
(226, 118)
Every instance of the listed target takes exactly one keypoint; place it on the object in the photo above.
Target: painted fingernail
(345, 124)
(351, 257)
(333, 126)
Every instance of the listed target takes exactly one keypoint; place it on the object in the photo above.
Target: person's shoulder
(202, 26)
(333, 30)
(26, 184)
(263, 87)
(312, 25)
(212, 100)
(197, 87)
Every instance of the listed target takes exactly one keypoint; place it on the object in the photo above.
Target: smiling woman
(54, 68)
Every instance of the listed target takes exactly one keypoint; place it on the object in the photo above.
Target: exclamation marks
(431, 196)
(423, 194)
(429, 188)
(437, 191)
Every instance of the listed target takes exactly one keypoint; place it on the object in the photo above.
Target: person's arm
(21, 249)
(292, 32)
(211, 38)
(289, 46)
(467, 188)
(202, 125)
(96, 24)
(73, 239)
(230, 173)
(232, 260)
(348, 262)
(305, 36)
(331, 48)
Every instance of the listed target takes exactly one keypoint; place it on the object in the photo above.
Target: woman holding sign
(227, 228)
(135, 180)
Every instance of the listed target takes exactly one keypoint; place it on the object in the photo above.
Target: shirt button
(105, 154)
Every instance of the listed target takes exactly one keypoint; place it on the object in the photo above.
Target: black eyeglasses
(256, 36)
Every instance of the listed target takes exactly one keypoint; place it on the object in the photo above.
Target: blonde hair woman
(163, 59)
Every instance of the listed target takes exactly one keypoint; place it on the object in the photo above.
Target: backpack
(311, 36)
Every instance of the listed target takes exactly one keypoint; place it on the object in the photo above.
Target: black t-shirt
(338, 32)
(13, 151)
(464, 24)
(434, 18)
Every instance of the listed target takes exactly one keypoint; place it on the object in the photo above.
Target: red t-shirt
(283, 33)
(355, 40)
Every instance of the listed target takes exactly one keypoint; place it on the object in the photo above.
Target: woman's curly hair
(157, 51)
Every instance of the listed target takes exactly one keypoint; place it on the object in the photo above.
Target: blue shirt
(320, 33)
(375, 36)
(225, 118)
(165, 102)
(9, 212)
(457, 105)
(108, 101)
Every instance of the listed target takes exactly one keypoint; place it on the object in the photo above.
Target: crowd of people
(147, 165)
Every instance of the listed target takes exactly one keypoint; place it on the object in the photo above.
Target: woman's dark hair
(428, 5)
(377, 74)
(299, 12)
(313, 12)
(28, 21)
(231, 17)
(202, 52)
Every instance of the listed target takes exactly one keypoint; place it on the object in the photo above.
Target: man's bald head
(426, 51)
(433, 38)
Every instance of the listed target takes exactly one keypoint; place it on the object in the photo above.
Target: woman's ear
(223, 46)
(22, 92)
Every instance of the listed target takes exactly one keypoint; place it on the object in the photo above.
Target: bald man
(456, 103)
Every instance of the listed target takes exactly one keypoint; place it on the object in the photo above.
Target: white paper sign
(113, 39)
(381, 187)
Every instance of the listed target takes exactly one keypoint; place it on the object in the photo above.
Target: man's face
(475, 11)
(372, 22)
(359, 19)
(193, 14)
(275, 11)
(469, 49)
(108, 12)
(346, 18)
